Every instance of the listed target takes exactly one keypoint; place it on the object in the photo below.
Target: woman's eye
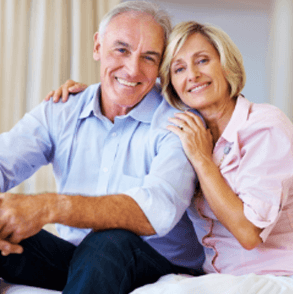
(178, 70)
(202, 61)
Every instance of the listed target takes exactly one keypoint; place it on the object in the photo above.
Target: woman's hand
(196, 140)
(64, 90)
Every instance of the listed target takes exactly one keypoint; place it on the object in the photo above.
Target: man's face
(130, 54)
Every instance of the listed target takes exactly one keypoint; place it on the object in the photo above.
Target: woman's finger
(174, 129)
(57, 94)
(179, 123)
(78, 87)
(191, 119)
(49, 95)
(65, 94)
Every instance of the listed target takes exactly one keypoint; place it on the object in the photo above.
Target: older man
(109, 141)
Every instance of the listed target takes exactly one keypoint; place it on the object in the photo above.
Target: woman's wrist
(204, 165)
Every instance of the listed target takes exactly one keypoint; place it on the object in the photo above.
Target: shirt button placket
(109, 151)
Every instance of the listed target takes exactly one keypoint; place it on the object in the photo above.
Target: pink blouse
(258, 166)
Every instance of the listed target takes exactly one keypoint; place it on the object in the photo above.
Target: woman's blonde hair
(230, 57)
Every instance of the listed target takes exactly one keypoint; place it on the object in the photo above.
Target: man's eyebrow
(121, 43)
(126, 45)
(157, 54)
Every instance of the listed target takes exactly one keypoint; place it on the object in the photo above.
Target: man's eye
(149, 58)
(121, 50)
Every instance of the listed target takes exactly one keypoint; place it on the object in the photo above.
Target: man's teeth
(199, 88)
(123, 82)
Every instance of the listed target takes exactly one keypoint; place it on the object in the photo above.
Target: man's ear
(97, 46)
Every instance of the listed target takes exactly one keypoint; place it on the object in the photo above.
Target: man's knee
(104, 259)
(111, 244)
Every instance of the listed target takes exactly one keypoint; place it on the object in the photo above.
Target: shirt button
(105, 169)
(114, 134)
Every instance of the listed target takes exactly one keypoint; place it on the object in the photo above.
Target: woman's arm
(225, 204)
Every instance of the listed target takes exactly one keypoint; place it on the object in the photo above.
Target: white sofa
(19, 289)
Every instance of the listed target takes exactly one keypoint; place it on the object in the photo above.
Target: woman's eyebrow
(177, 61)
(196, 54)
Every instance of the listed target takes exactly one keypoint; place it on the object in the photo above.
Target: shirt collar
(142, 112)
(93, 106)
(239, 116)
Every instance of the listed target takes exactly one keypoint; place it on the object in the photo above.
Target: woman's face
(197, 75)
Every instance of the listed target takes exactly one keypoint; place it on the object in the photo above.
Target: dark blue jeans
(114, 261)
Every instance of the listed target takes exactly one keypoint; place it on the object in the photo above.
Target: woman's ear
(97, 45)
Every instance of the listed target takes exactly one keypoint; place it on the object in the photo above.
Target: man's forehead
(132, 21)
(130, 27)
(136, 15)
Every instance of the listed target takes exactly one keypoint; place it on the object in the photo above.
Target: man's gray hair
(159, 15)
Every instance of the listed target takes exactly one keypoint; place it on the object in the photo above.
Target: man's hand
(22, 216)
(7, 248)
(64, 90)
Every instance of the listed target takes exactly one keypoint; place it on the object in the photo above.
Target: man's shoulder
(80, 99)
(60, 114)
(163, 107)
(76, 103)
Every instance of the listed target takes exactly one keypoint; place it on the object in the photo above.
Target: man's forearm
(100, 213)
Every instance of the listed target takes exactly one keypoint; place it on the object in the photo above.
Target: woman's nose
(193, 73)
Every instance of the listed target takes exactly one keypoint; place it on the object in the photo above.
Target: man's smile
(126, 83)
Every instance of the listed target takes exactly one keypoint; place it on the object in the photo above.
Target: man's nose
(133, 65)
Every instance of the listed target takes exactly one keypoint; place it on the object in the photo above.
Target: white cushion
(19, 289)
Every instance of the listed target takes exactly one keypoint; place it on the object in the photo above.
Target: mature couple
(122, 142)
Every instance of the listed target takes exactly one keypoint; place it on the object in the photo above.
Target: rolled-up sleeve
(167, 189)
(265, 173)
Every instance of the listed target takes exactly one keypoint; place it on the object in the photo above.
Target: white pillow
(19, 289)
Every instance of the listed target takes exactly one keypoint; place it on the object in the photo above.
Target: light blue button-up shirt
(136, 155)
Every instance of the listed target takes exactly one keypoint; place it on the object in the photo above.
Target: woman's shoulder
(263, 124)
(268, 116)
(262, 111)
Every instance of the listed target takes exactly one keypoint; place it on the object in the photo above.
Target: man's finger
(7, 248)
